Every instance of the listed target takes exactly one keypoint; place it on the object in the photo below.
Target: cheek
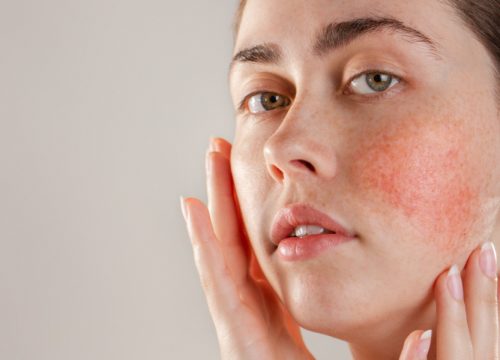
(422, 173)
(249, 181)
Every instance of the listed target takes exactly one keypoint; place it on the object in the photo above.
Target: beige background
(106, 108)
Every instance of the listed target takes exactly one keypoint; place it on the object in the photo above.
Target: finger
(219, 287)
(416, 345)
(223, 212)
(254, 270)
(452, 332)
(232, 318)
(224, 217)
(222, 146)
(480, 285)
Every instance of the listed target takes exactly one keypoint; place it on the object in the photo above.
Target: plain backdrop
(106, 108)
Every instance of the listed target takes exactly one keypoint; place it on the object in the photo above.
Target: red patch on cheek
(423, 173)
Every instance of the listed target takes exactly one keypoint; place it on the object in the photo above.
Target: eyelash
(372, 97)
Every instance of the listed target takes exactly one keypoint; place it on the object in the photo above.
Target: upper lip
(289, 217)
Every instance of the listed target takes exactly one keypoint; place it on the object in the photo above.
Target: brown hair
(481, 16)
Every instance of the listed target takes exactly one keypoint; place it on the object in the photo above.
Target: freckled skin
(414, 173)
(420, 171)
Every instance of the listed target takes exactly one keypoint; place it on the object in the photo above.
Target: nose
(303, 145)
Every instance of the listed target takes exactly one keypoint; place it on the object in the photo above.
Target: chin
(321, 306)
(341, 322)
(344, 306)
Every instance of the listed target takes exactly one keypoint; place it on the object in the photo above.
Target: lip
(294, 215)
(302, 248)
(294, 248)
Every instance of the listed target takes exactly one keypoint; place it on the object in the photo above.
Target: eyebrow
(334, 36)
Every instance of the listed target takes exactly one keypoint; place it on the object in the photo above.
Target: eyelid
(346, 88)
(243, 103)
(348, 91)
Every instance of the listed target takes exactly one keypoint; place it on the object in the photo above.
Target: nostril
(305, 163)
(278, 174)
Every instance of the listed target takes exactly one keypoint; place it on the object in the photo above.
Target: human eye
(264, 101)
(371, 82)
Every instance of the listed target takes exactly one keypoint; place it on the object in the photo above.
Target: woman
(361, 195)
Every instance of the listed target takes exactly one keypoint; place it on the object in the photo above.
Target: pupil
(378, 78)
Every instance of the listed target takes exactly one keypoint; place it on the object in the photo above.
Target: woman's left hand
(467, 316)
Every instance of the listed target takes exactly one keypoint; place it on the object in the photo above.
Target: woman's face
(407, 158)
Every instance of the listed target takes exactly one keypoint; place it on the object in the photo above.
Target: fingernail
(183, 208)
(212, 146)
(488, 260)
(207, 162)
(455, 283)
(424, 344)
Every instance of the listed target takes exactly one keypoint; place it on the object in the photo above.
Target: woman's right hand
(249, 318)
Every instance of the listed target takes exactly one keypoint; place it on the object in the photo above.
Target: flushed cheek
(424, 174)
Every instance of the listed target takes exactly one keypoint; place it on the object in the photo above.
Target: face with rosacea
(382, 115)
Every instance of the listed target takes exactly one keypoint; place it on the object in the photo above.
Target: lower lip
(302, 248)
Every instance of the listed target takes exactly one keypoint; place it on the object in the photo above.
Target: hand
(467, 329)
(250, 321)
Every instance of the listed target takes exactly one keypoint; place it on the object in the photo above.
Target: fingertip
(193, 204)
(408, 346)
(211, 143)
(417, 345)
(186, 201)
(208, 161)
(183, 208)
(454, 283)
(424, 344)
(221, 145)
(441, 290)
(488, 260)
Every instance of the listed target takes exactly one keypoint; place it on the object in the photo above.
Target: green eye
(373, 82)
(266, 101)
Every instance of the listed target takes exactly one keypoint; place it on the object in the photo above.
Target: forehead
(294, 23)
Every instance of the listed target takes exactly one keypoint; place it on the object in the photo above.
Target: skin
(421, 176)
(414, 174)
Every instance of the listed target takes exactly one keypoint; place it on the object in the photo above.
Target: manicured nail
(212, 146)
(488, 260)
(454, 282)
(424, 344)
(207, 162)
(183, 208)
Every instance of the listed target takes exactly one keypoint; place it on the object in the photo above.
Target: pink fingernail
(212, 146)
(424, 344)
(454, 283)
(488, 260)
(208, 167)
(183, 208)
